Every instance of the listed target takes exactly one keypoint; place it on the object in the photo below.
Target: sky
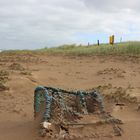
(32, 24)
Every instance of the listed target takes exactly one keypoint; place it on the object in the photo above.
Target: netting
(63, 107)
(66, 106)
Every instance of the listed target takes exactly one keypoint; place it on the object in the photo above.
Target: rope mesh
(62, 106)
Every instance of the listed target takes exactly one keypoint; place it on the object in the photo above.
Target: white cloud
(36, 23)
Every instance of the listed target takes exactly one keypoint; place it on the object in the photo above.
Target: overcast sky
(30, 24)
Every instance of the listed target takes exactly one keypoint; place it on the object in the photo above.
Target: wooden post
(98, 42)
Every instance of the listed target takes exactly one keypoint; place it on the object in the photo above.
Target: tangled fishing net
(63, 108)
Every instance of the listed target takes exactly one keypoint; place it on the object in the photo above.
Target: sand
(118, 78)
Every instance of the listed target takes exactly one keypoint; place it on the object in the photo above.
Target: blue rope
(37, 98)
(48, 99)
(42, 94)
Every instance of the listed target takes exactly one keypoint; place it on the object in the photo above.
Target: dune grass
(124, 48)
(130, 48)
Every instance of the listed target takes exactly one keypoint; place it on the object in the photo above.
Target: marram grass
(129, 48)
(125, 48)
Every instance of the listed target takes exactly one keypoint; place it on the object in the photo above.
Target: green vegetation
(124, 48)
(130, 48)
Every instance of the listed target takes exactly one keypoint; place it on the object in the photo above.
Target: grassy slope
(132, 48)
(128, 48)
